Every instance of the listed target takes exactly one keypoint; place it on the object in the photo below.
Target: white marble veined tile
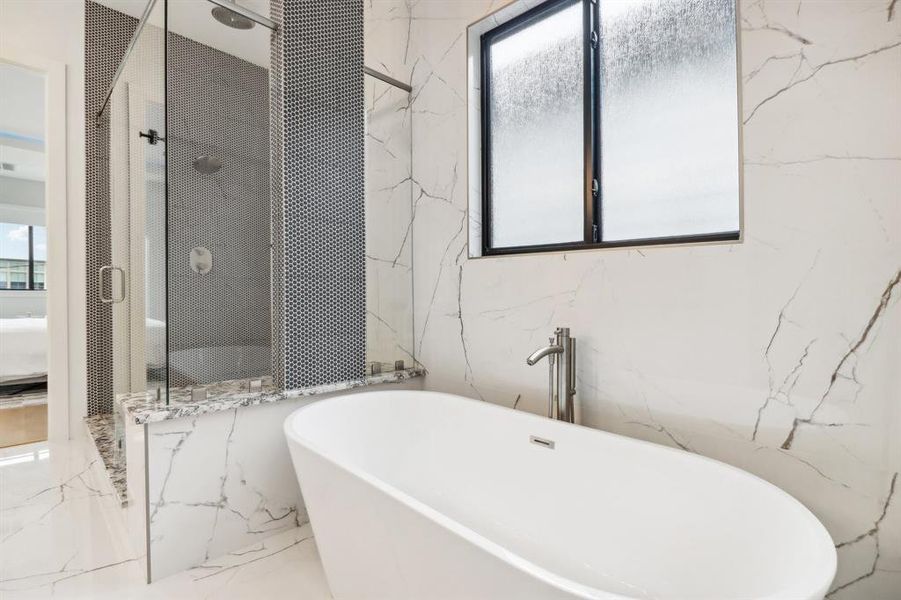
(63, 537)
(778, 354)
(216, 482)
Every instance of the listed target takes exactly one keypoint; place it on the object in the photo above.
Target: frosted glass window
(638, 145)
(669, 130)
(534, 129)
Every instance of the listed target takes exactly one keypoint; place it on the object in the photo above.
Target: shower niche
(187, 282)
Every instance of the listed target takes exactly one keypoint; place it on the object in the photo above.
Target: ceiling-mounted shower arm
(247, 13)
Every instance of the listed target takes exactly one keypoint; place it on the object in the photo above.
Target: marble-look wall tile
(61, 537)
(135, 511)
(778, 354)
(386, 37)
(389, 186)
(389, 221)
(216, 483)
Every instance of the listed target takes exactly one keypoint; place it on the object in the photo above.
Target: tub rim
(512, 558)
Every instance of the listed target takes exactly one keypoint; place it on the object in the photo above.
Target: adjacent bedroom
(23, 257)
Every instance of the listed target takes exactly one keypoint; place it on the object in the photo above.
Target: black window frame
(30, 281)
(593, 223)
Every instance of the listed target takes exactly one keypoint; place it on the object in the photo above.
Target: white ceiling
(26, 164)
(193, 20)
(21, 101)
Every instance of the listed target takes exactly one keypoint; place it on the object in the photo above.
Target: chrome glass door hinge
(152, 135)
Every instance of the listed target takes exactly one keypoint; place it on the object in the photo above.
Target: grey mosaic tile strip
(276, 190)
(219, 322)
(319, 276)
(107, 34)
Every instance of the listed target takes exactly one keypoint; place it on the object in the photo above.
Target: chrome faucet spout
(561, 356)
(542, 352)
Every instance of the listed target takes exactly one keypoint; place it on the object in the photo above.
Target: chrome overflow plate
(544, 443)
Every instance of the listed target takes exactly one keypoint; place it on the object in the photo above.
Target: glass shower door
(132, 285)
(389, 218)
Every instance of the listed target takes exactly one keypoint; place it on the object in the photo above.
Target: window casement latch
(593, 39)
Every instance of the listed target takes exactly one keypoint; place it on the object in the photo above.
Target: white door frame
(55, 205)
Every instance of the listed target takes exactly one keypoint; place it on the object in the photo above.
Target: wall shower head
(207, 164)
(231, 18)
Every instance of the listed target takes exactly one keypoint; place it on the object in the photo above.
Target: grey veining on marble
(143, 407)
(60, 537)
(102, 430)
(778, 354)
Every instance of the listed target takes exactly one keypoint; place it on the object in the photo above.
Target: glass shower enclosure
(132, 282)
(187, 278)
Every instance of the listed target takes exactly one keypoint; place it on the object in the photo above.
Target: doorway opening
(23, 256)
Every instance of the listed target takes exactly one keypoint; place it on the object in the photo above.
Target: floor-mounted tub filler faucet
(561, 356)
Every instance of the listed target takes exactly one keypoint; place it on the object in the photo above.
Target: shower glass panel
(131, 132)
(219, 204)
(188, 278)
(389, 218)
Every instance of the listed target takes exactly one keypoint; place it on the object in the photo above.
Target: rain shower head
(231, 18)
(207, 164)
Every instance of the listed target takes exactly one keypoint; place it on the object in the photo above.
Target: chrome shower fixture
(207, 164)
(231, 19)
(232, 14)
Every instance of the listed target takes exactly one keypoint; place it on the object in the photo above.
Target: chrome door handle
(122, 287)
(100, 279)
(100, 273)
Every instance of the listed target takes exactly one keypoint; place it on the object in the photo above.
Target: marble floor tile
(62, 535)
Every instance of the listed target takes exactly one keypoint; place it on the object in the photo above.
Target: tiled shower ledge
(102, 430)
(144, 407)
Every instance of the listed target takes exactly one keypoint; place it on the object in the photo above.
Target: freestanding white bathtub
(421, 495)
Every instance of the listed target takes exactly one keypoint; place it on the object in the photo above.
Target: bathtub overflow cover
(541, 442)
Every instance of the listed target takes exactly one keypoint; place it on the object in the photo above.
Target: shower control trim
(201, 260)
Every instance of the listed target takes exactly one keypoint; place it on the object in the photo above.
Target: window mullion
(588, 123)
(30, 283)
(592, 115)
